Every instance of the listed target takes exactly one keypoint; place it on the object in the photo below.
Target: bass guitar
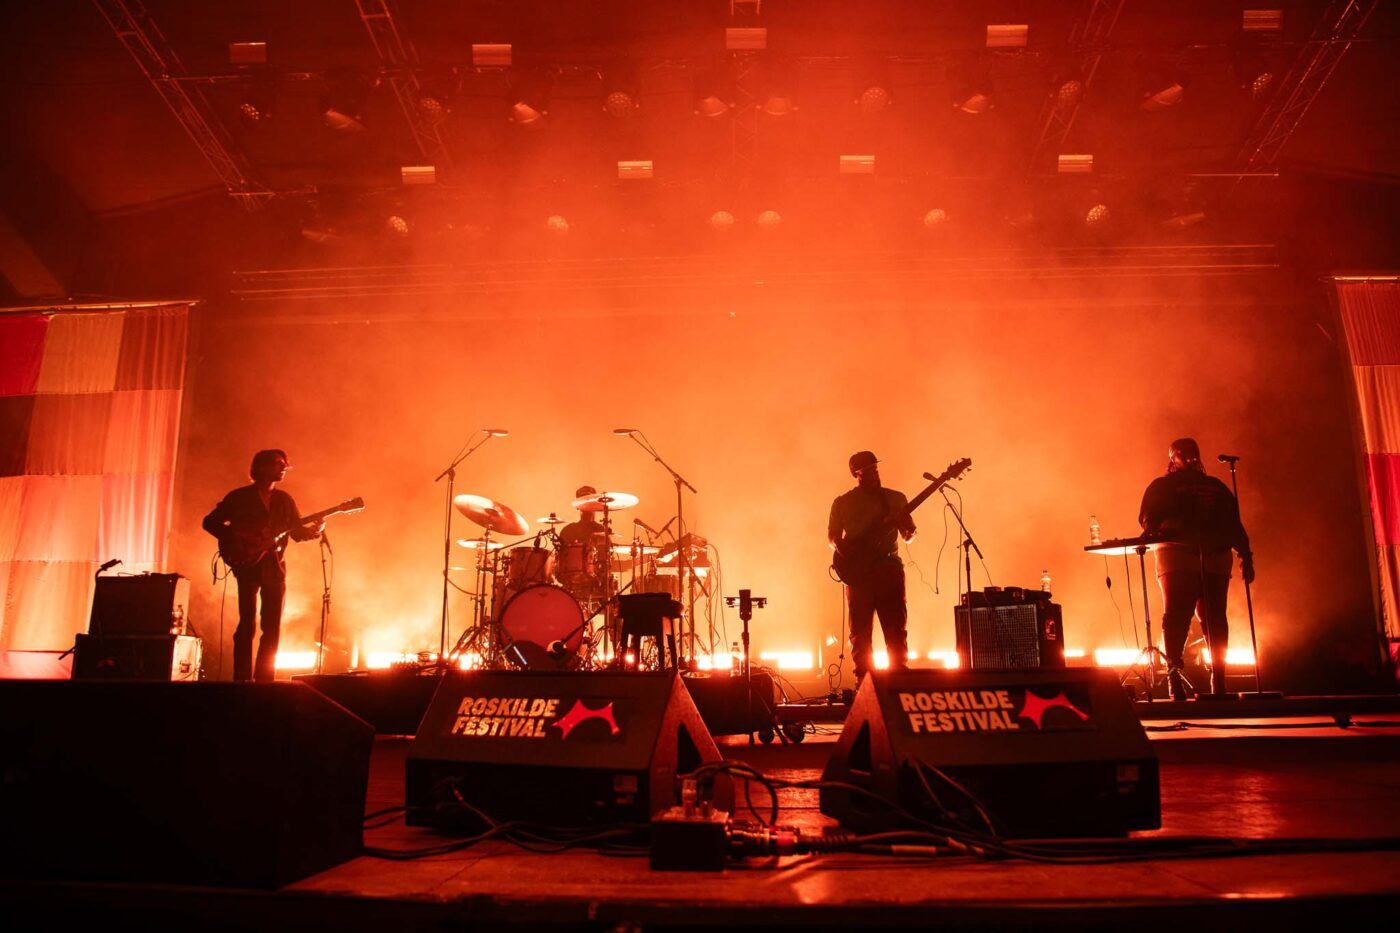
(856, 557)
(242, 548)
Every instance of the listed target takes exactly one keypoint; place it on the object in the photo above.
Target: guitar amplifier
(1011, 629)
(144, 604)
(137, 657)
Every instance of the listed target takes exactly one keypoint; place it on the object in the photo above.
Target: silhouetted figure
(1201, 517)
(864, 529)
(253, 524)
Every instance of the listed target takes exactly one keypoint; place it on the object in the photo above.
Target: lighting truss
(1087, 43)
(401, 63)
(162, 67)
(1340, 24)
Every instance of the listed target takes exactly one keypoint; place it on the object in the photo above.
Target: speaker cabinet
(144, 604)
(137, 657)
(253, 785)
(1046, 753)
(720, 699)
(1013, 636)
(565, 748)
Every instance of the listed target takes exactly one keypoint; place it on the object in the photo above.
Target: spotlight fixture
(432, 106)
(722, 221)
(1069, 93)
(396, 225)
(634, 169)
(1262, 20)
(713, 92)
(343, 102)
(935, 218)
(745, 38)
(769, 220)
(872, 88)
(1007, 36)
(1164, 99)
(1162, 86)
(620, 89)
(1096, 216)
(529, 99)
(491, 55)
(556, 224)
(1068, 164)
(256, 107)
(857, 165)
(780, 96)
(971, 84)
(247, 53)
(418, 174)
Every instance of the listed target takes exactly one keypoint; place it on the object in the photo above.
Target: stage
(1246, 778)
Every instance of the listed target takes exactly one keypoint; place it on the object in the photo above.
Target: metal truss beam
(1087, 43)
(163, 69)
(1338, 27)
(401, 63)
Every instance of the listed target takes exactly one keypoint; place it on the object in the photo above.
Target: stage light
(418, 174)
(780, 84)
(1165, 98)
(620, 89)
(745, 38)
(769, 220)
(880, 660)
(1007, 36)
(1072, 653)
(556, 224)
(634, 169)
(396, 225)
(1262, 84)
(529, 99)
(713, 91)
(1069, 164)
(935, 218)
(874, 99)
(294, 660)
(432, 109)
(1116, 657)
(971, 85)
(247, 53)
(1234, 657)
(788, 660)
(343, 102)
(829, 641)
(857, 165)
(1069, 93)
(1262, 21)
(872, 87)
(723, 221)
(491, 55)
(949, 659)
(1096, 216)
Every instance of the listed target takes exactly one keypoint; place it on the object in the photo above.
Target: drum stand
(451, 474)
(471, 636)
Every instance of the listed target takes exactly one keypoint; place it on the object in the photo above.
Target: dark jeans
(269, 578)
(1188, 592)
(882, 593)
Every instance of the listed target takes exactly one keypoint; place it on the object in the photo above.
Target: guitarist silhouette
(865, 526)
(258, 519)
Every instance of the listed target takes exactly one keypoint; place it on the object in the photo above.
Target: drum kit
(547, 601)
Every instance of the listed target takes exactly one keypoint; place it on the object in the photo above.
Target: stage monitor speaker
(562, 748)
(1015, 636)
(1046, 753)
(249, 785)
(391, 701)
(143, 604)
(137, 657)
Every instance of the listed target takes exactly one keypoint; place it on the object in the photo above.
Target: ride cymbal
(491, 515)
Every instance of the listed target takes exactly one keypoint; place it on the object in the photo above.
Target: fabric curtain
(1370, 311)
(89, 424)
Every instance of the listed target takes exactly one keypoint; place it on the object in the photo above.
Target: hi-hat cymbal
(552, 520)
(477, 543)
(611, 501)
(492, 515)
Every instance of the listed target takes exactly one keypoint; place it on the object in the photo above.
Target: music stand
(1139, 546)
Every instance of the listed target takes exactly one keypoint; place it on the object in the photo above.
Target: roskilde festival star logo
(1036, 707)
(580, 714)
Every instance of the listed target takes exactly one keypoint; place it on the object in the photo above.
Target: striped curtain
(1370, 310)
(89, 420)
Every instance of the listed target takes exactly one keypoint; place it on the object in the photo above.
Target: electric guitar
(854, 561)
(243, 547)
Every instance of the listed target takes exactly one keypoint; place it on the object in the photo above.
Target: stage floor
(1252, 779)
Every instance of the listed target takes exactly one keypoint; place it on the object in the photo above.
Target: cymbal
(476, 543)
(492, 515)
(553, 519)
(613, 501)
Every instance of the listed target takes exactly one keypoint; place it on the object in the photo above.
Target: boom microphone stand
(968, 546)
(1258, 693)
(451, 473)
(325, 601)
(683, 564)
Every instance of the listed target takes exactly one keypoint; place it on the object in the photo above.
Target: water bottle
(735, 659)
(1045, 581)
(1095, 536)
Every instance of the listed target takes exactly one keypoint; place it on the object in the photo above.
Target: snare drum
(537, 617)
(577, 563)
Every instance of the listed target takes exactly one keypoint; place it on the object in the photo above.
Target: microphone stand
(325, 601)
(968, 546)
(683, 564)
(1249, 604)
(451, 473)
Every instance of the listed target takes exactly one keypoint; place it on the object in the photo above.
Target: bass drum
(536, 618)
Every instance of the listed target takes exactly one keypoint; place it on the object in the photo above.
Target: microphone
(109, 565)
(497, 432)
(1227, 458)
(623, 432)
(654, 532)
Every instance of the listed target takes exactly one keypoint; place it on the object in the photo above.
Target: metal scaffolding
(1087, 44)
(162, 67)
(1336, 29)
(400, 63)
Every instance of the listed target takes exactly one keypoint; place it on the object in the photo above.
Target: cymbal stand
(683, 567)
(609, 610)
(481, 620)
(451, 474)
